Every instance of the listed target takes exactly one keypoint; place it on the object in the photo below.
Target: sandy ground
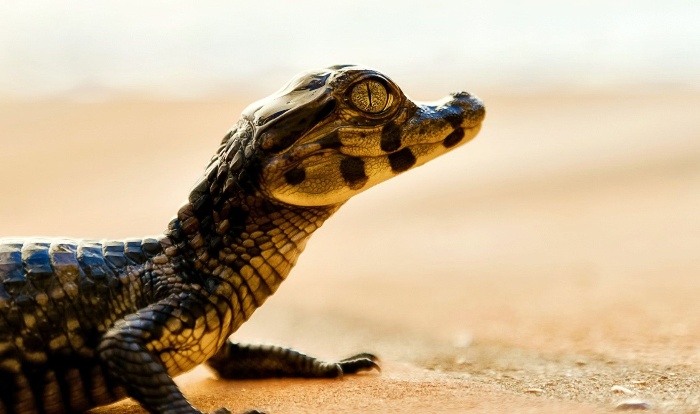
(555, 257)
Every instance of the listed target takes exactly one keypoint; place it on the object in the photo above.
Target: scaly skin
(86, 323)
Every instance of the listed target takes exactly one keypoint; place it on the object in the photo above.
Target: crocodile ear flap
(287, 127)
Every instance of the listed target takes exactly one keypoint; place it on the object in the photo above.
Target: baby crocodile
(86, 323)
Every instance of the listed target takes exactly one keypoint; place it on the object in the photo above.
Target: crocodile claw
(358, 363)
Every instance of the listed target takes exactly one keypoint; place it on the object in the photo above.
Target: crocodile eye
(370, 96)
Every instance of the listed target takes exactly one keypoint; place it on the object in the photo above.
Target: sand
(552, 265)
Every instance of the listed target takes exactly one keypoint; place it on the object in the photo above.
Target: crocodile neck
(231, 239)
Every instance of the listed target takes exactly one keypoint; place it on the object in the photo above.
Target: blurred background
(562, 244)
(83, 49)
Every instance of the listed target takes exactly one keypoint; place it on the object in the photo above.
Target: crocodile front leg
(144, 349)
(243, 361)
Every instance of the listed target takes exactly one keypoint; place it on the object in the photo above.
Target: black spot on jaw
(402, 160)
(330, 141)
(455, 119)
(391, 137)
(295, 176)
(454, 138)
(353, 171)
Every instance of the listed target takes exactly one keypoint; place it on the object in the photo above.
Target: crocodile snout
(471, 106)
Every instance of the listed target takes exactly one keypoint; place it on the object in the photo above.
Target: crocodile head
(333, 133)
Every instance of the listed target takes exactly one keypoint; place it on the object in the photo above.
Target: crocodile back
(57, 298)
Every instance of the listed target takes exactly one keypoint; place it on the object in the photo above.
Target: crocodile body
(86, 323)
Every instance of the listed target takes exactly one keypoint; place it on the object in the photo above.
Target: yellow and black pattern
(85, 323)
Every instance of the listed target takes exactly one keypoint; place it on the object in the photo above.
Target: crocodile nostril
(472, 105)
(460, 95)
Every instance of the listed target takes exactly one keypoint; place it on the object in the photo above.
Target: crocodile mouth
(356, 158)
(314, 151)
(452, 121)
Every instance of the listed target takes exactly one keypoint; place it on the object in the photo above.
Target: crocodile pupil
(370, 96)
